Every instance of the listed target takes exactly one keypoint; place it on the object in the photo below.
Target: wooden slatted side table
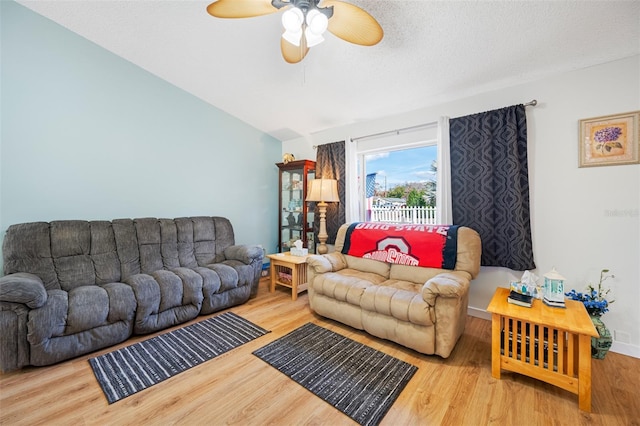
(288, 271)
(549, 344)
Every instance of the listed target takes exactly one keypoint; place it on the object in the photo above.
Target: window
(400, 185)
(401, 157)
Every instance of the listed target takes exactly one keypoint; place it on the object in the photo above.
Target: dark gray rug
(360, 381)
(129, 370)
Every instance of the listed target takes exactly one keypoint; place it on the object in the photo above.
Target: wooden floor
(238, 388)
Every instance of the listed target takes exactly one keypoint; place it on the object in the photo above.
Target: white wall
(583, 219)
(88, 135)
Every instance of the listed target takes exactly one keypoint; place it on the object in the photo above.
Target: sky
(400, 167)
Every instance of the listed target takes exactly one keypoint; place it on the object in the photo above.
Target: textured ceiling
(432, 51)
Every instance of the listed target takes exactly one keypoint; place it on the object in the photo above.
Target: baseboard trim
(617, 347)
(478, 313)
(625, 349)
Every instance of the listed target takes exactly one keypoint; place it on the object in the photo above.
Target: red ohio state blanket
(432, 246)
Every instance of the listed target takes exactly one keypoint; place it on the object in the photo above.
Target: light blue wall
(87, 135)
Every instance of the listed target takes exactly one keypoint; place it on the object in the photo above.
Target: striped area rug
(131, 369)
(360, 381)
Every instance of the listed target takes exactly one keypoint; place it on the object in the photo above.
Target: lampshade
(292, 21)
(323, 190)
(317, 23)
(313, 39)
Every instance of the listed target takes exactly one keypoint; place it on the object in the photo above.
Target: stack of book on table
(520, 299)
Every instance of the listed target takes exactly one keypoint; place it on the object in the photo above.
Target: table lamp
(323, 191)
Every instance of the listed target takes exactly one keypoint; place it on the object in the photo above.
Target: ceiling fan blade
(240, 8)
(353, 24)
(292, 53)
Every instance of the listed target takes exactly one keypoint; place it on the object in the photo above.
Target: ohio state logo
(393, 250)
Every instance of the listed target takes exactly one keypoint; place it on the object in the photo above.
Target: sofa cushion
(211, 282)
(225, 237)
(82, 309)
(197, 241)
(205, 234)
(346, 285)
(122, 302)
(244, 272)
(368, 265)
(70, 249)
(124, 233)
(185, 242)
(171, 287)
(414, 274)
(397, 299)
(169, 243)
(149, 244)
(65, 326)
(103, 253)
(88, 307)
(166, 298)
(27, 248)
(228, 276)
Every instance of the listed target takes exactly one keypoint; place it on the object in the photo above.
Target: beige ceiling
(432, 51)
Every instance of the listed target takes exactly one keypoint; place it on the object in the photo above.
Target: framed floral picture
(610, 140)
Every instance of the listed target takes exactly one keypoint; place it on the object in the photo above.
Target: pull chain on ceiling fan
(305, 22)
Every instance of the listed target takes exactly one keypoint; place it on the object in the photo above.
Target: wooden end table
(288, 271)
(549, 344)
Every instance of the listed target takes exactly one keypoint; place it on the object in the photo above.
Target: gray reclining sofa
(73, 287)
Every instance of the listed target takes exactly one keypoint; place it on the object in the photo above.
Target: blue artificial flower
(595, 300)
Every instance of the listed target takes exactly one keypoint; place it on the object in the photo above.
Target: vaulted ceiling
(432, 51)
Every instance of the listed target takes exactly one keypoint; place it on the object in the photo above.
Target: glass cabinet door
(295, 220)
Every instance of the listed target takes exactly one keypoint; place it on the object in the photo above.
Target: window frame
(398, 140)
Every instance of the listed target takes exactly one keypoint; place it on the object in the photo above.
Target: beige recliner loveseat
(423, 308)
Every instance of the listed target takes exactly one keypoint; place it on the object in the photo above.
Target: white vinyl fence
(421, 215)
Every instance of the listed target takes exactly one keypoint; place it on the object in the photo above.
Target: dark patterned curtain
(330, 164)
(490, 184)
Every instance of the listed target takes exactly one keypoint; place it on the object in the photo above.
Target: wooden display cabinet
(295, 221)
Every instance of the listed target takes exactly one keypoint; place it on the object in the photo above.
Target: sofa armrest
(14, 347)
(447, 284)
(24, 288)
(323, 263)
(246, 254)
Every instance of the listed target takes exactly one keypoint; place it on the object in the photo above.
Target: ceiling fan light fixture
(313, 39)
(292, 21)
(293, 37)
(305, 22)
(317, 24)
(317, 21)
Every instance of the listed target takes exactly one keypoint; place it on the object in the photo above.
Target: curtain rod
(533, 102)
(397, 131)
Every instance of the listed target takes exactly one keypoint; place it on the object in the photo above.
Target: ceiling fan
(305, 22)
